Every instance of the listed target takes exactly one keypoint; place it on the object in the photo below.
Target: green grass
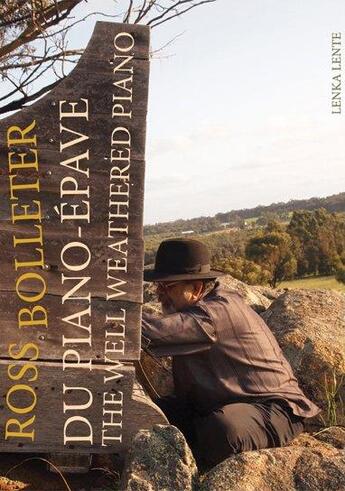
(251, 220)
(326, 282)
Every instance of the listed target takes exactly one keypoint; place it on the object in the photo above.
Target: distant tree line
(237, 218)
(334, 203)
(312, 243)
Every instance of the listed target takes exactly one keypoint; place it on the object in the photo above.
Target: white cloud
(221, 167)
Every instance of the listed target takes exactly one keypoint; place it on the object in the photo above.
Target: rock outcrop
(310, 328)
(307, 464)
(335, 435)
(158, 371)
(159, 460)
(151, 304)
(9, 485)
(252, 295)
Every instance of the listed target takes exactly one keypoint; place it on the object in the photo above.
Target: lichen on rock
(310, 328)
(160, 460)
(306, 464)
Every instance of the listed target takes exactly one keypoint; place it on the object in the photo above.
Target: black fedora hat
(181, 259)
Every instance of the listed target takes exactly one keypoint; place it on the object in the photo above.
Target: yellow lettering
(31, 298)
(21, 410)
(23, 351)
(22, 187)
(27, 317)
(22, 370)
(30, 264)
(21, 427)
(23, 164)
(22, 138)
(27, 215)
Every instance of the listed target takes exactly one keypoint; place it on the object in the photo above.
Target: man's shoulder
(221, 291)
(218, 298)
(221, 294)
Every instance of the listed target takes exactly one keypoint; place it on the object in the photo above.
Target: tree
(319, 239)
(274, 225)
(273, 251)
(268, 217)
(34, 39)
(243, 270)
(340, 275)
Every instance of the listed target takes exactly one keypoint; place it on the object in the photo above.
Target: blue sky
(241, 114)
(239, 107)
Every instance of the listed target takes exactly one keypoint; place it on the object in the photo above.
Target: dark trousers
(233, 428)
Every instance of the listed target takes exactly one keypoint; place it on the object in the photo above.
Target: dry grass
(335, 405)
(324, 282)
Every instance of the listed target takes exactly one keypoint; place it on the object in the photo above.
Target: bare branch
(24, 82)
(48, 18)
(32, 79)
(153, 22)
(70, 26)
(140, 11)
(38, 60)
(144, 11)
(34, 38)
(17, 104)
(173, 8)
(129, 11)
(171, 41)
(9, 94)
(17, 86)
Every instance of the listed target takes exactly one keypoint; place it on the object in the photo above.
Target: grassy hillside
(326, 282)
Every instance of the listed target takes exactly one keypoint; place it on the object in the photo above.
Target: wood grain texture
(94, 78)
(102, 156)
(50, 176)
(137, 411)
(102, 277)
(98, 129)
(125, 319)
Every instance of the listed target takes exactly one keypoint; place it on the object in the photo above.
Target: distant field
(327, 282)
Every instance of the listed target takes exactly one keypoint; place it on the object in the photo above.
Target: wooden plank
(101, 135)
(110, 275)
(102, 189)
(52, 231)
(140, 82)
(49, 135)
(103, 37)
(51, 169)
(96, 79)
(58, 399)
(69, 464)
(84, 196)
(113, 330)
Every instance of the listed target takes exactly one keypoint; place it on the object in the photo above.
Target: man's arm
(182, 333)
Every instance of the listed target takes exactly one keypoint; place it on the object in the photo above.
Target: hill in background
(246, 217)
